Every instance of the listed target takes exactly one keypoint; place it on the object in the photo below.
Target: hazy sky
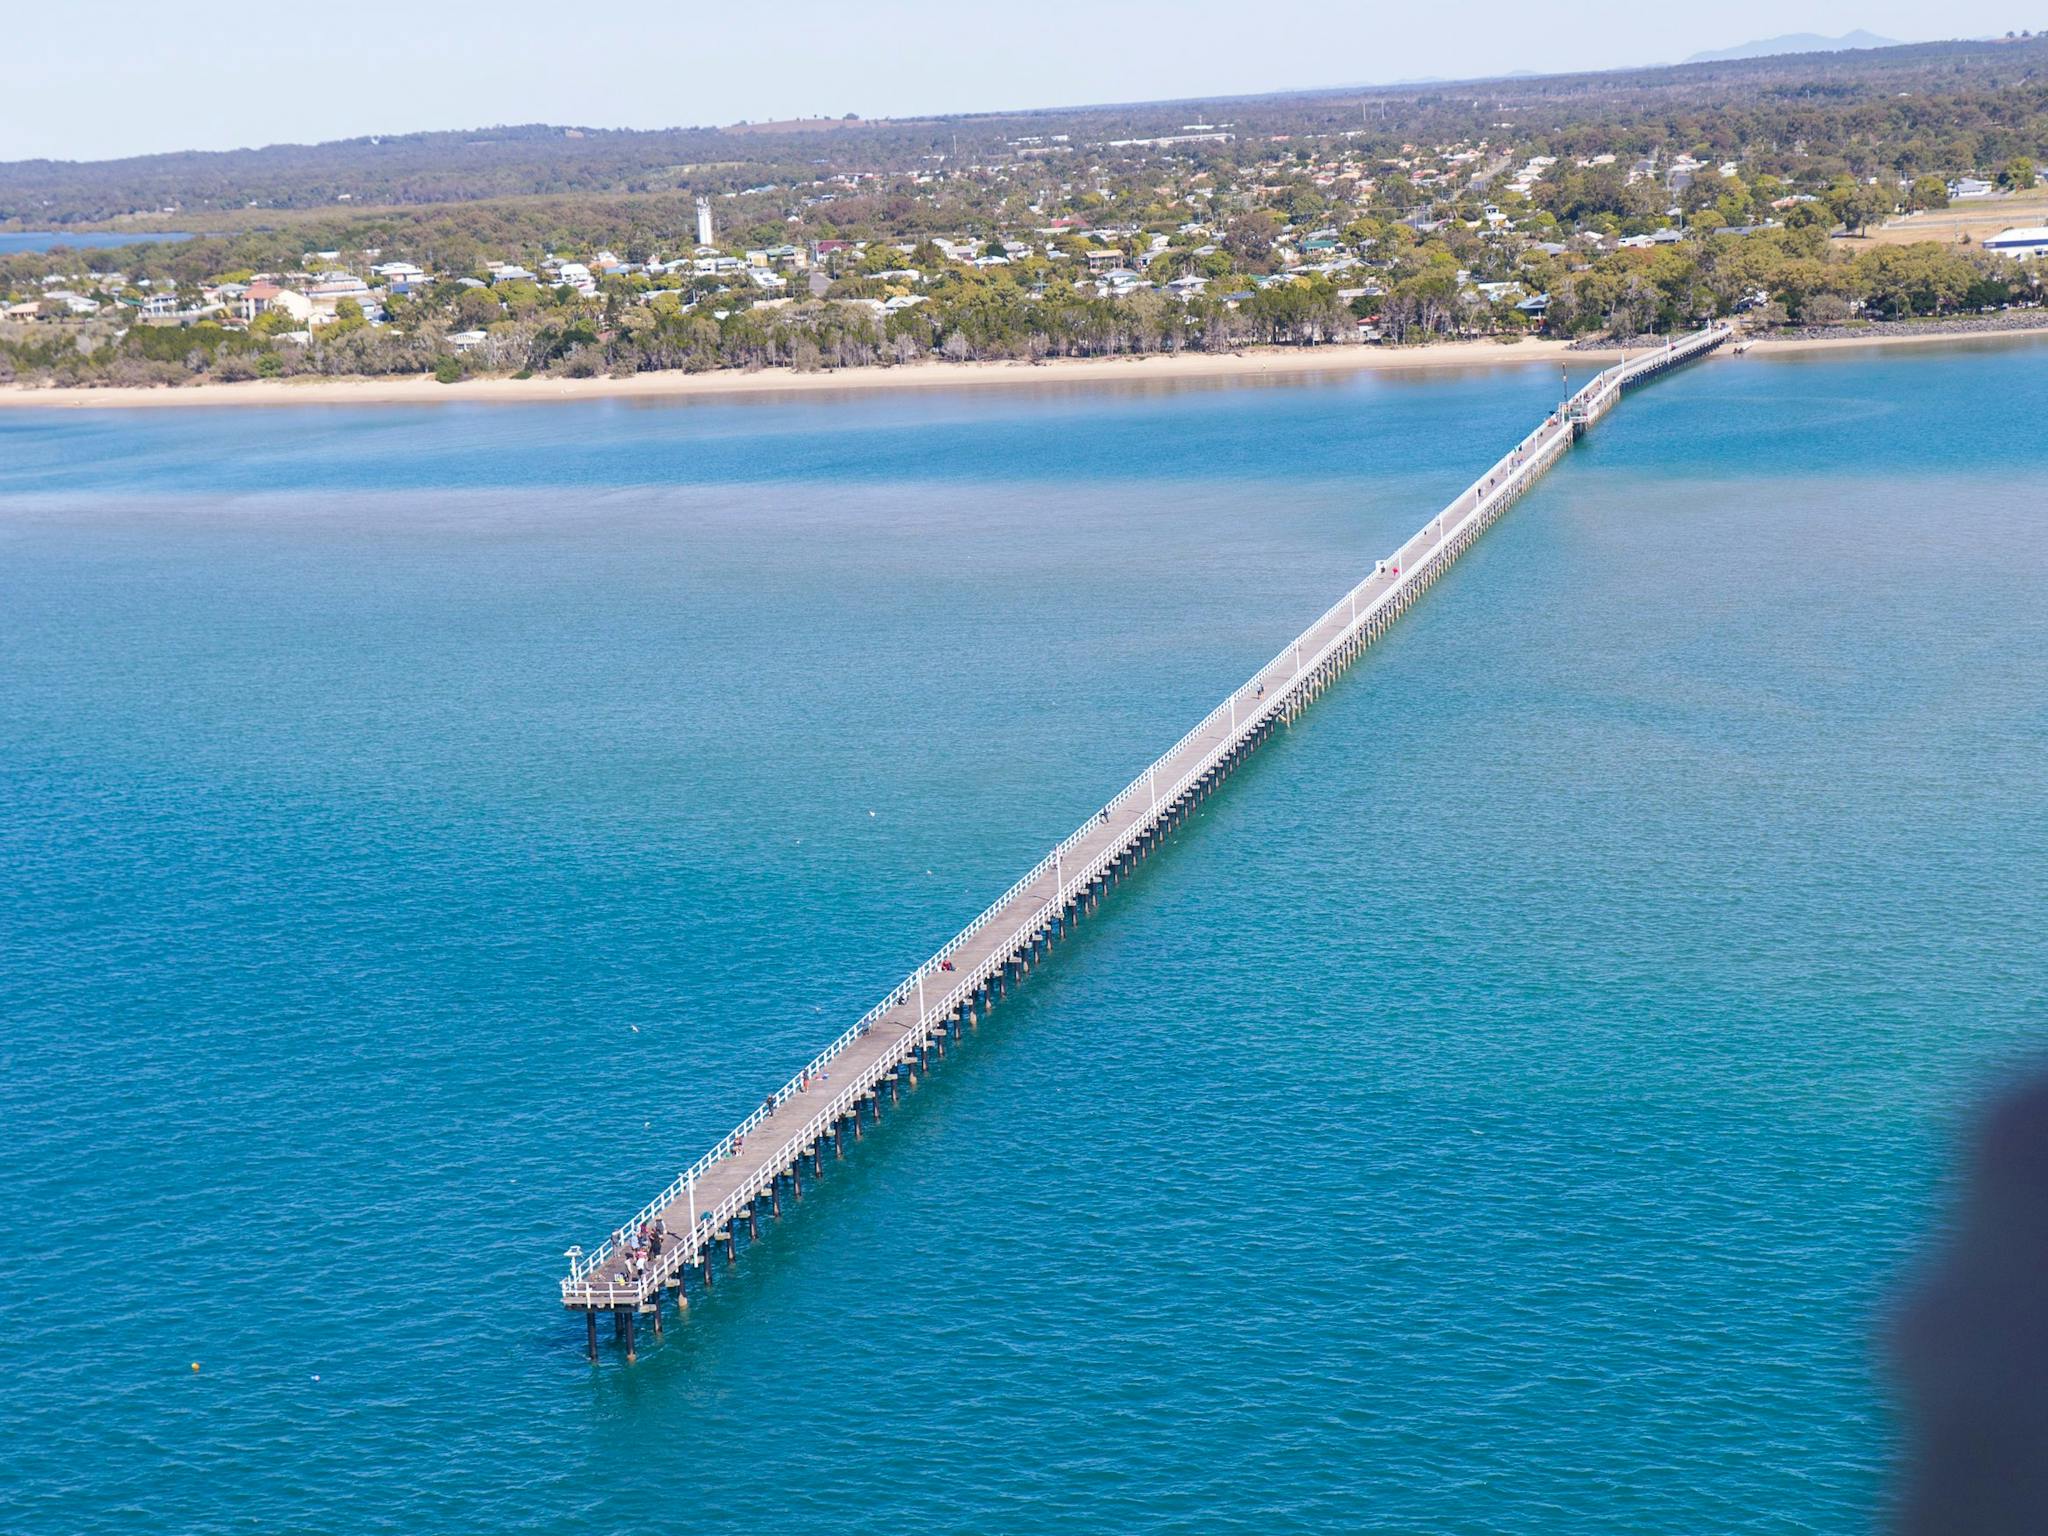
(122, 77)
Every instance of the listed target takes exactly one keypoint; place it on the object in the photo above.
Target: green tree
(2018, 173)
(1929, 192)
(1867, 206)
(477, 308)
(1249, 237)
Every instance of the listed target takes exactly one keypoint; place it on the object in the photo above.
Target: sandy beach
(1790, 346)
(1250, 364)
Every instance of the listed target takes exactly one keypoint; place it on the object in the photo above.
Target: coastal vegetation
(1612, 205)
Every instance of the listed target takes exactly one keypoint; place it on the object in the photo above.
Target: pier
(681, 1237)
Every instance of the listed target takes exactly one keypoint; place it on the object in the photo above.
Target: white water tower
(703, 221)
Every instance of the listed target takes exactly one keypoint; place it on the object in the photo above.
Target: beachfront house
(399, 276)
(327, 292)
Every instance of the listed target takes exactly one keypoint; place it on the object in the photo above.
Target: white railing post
(1396, 584)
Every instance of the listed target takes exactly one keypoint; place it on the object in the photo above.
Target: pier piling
(910, 1027)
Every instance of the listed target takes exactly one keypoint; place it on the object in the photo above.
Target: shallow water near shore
(1508, 1107)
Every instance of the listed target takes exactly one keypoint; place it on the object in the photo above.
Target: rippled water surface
(1507, 1108)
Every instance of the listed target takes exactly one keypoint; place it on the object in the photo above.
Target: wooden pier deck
(843, 1090)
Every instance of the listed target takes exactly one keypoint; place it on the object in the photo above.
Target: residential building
(2019, 243)
(262, 296)
(329, 290)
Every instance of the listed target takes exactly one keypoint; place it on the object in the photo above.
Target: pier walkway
(845, 1087)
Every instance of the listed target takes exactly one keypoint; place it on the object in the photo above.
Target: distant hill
(347, 180)
(1795, 42)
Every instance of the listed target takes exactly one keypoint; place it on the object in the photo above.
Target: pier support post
(590, 1330)
(753, 1224)
(775, 1196)
(839, 1139)
(626, 1332)
(657, 1314)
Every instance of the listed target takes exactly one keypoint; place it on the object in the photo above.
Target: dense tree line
(1946, 105)
(1823, 143)
(1794, 275)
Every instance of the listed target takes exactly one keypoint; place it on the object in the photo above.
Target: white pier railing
(733, 1173)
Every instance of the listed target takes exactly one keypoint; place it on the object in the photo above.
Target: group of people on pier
(640, 1248)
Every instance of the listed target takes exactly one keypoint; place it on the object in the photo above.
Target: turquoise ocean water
(1508, 1108)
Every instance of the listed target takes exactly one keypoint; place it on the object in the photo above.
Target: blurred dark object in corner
(1972, 1344)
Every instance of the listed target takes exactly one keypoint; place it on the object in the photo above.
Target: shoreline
(1275, 364)
(1792, 346)
(1252, 363)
